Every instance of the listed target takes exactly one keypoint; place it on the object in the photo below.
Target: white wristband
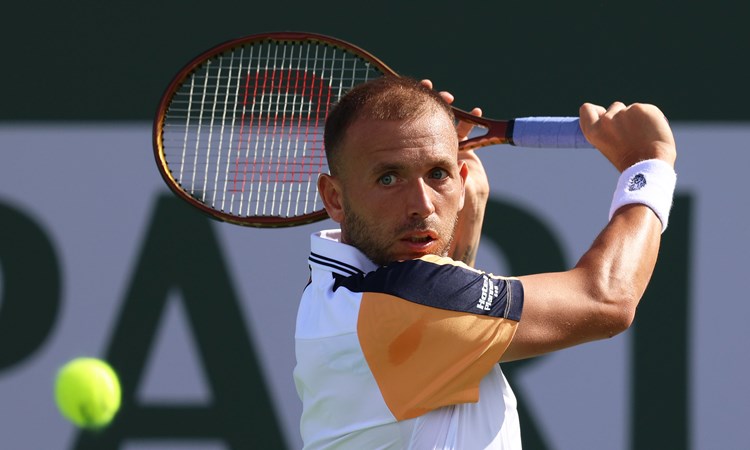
(650, 183)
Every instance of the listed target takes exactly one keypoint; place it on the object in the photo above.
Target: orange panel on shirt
(416, 359)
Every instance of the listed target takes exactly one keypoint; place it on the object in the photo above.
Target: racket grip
(548, 132)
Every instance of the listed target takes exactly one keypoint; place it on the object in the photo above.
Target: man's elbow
(618, 311)
(617, 321)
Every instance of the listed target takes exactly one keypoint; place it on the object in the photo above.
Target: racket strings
(244, 134)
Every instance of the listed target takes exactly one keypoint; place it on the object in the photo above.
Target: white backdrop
(92, 189)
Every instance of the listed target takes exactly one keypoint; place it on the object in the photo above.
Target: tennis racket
(239, 130)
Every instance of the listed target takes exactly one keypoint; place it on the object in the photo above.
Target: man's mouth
(420, 237)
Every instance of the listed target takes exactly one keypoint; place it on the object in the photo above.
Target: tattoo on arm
(468, 256)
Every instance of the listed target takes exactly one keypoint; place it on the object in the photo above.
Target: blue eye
(438, 174)
(387, 180)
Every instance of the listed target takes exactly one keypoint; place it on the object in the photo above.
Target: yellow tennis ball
(87, 392)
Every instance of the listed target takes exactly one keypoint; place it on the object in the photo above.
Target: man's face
(401, 187)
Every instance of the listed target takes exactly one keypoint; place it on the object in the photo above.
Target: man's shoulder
(328, 253)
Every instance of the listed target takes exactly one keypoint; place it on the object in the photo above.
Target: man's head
(396, 186)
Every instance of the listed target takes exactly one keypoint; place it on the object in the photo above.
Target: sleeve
(431, 329)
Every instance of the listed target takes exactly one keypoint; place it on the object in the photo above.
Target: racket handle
(548, 132)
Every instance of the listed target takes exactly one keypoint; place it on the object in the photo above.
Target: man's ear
(329, 189)
(463, 171)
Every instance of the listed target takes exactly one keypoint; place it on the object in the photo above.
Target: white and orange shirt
(404, 356)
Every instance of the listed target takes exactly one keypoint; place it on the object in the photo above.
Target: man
(397, 343)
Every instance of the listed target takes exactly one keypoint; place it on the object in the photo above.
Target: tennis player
(398, 337)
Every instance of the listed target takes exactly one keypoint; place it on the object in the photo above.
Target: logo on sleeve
(636, 182)
(489, 293)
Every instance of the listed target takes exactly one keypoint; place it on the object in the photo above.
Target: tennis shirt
(404, 356)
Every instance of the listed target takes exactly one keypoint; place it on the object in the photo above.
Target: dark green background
(98, 60)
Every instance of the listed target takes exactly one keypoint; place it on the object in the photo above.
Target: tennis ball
(87, 392)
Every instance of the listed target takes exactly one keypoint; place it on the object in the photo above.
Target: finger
(589, 114)
(447, 96)
(615, 108)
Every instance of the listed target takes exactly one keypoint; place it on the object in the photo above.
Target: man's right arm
(598, 297)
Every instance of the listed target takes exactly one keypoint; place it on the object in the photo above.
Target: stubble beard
(360, 234)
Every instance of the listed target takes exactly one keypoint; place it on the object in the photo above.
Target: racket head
(238, 132)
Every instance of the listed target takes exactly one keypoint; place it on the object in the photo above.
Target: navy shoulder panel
(444, 286)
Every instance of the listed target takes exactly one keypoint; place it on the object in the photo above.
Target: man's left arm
(471, 218)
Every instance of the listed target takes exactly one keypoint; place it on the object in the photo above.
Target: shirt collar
(328, 253)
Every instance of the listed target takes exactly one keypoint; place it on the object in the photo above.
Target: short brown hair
(384, 98)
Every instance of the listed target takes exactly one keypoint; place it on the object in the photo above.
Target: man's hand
(626, 135)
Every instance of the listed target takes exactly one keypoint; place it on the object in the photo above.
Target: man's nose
(419, 200)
